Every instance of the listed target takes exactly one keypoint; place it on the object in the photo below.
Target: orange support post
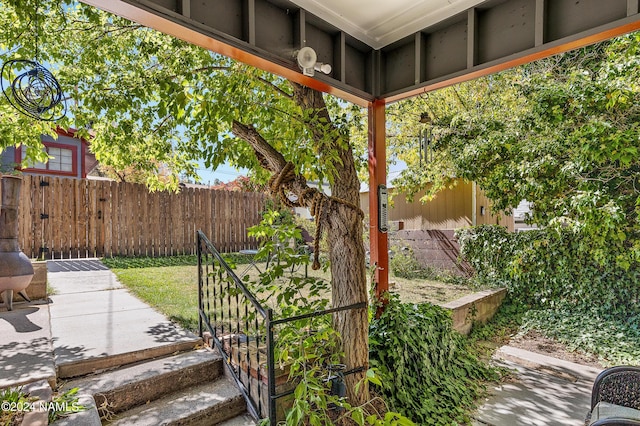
(378, 176)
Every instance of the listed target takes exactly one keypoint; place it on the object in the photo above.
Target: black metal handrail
(237, 280)
(231, 330)
(224, 322)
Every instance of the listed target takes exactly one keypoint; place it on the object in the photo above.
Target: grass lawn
(173, 290)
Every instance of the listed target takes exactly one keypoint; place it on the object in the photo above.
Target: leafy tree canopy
(562, 133)
(154, 101)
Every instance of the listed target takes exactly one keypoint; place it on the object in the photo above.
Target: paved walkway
(544, 391)
(91, 323)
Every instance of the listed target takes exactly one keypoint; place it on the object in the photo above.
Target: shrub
(428, 371)
(403, 264)
(548, 268)
(567, 293)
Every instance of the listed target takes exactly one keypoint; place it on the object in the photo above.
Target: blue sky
(228, 173)
(224, 173)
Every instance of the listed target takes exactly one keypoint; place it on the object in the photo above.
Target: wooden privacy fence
(70, 218)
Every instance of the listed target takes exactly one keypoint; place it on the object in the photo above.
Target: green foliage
(158, 105)
(64, 404)
(310, 347)
(614, 339)
(567, 293)
(561, 133)
(122, 262)
(288, 293)
(15, 402)
(403, 263)
(428, 371)
(14, 399)
(505, 323)
(550, 268)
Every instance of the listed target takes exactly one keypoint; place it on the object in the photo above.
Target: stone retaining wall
(477, 307)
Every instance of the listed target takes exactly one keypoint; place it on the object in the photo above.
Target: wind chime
(425, 141)
(34, 92)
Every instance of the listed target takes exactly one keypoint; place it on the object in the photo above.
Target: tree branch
(276, 88)
(273, 161)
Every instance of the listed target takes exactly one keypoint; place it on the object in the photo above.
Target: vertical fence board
(106, 214)
(57, 220)
(92, 215)
(226, 222)
(46, 209)
(154, 218)
(78, 227)
(209, 203)
(164, 223)
(174, 217)
(192, 206)
(132, 213)
(215, 233)
(138, 215)
(24, 225)
(24, 203)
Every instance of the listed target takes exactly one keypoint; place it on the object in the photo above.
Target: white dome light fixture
(308, 62)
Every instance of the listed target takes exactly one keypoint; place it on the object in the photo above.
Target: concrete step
(203, 405)
(120, 390)
(68, 369)
(554, 366)
(242, 420)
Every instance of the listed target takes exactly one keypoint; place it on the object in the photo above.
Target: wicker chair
(615, 398)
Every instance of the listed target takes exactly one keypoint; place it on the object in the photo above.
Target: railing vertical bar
(248, 356)
(271, 369)
(200, 306)
(258, 339)
(222, 309)
(229, 323)
(215, 299)
(208, 282)
(238, 343)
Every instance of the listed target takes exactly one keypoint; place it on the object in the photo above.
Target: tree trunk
(348, 284)
(341, 219)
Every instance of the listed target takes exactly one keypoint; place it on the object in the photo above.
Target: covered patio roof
(384, 50)
(381, 49)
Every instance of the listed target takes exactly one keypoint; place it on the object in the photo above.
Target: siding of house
(83, 160)
(7, 157)
(451, 209)
(490, 217)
